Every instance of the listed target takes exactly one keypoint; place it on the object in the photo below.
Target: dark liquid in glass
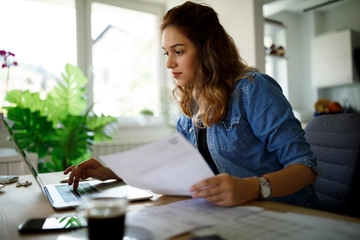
(106, 227)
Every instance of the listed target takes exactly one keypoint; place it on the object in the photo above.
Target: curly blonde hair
(219, 63)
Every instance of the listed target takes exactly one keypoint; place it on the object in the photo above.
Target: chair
(335, 142)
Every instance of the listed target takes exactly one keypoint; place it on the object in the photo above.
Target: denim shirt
(258, 135)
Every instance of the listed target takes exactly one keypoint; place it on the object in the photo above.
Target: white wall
(243, 20)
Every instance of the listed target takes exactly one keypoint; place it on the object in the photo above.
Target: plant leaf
(69, 95)
(33, 131)
(73, 141)
(103, 126)
(29, 100)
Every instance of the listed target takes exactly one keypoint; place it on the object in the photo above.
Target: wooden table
(20, 204)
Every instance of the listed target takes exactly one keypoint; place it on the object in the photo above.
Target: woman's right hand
(89, 168)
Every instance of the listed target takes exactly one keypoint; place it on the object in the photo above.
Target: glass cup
(105, 216)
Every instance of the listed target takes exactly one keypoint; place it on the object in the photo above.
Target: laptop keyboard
(70, 195)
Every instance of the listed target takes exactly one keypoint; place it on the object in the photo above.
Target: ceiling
(271, 7)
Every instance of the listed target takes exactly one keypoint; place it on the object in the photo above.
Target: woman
(237, 117)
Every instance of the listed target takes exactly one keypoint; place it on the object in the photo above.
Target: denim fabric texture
(258, 135)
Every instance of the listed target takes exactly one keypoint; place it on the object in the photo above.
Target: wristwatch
(265, 188)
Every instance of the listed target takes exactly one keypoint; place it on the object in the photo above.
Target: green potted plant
(145, 116)
(58, 128)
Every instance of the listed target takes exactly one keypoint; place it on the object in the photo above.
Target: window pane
(42, 35)
(124, 61)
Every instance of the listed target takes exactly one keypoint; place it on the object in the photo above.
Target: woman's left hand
(225, 190)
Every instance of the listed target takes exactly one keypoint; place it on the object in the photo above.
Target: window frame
(84, 42)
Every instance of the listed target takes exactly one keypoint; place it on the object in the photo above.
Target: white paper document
(169, 166)
(170, 220)
(269, 225)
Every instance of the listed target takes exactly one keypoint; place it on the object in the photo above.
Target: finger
(68, 169)
(71, 176)
(74, 176)
(206, 192)
(203, 184)
(82, 171)
(76, 180)
(78, 171)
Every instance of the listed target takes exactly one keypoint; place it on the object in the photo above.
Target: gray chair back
(335, 142)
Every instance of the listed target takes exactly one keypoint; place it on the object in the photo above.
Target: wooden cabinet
(332, 58)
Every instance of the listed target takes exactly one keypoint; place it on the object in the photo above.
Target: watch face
(265, 188)
(266, 192)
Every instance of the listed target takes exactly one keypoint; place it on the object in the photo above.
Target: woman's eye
(175, 52)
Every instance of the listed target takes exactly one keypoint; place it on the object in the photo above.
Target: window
(117, 47)
(43, 38)
(124, 57)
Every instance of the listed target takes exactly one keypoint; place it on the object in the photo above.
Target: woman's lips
(176, 74)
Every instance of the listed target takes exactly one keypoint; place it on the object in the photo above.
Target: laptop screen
(21, 151)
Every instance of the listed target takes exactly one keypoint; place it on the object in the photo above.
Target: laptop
(62, 196)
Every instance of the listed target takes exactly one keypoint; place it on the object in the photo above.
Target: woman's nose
(170, 63)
